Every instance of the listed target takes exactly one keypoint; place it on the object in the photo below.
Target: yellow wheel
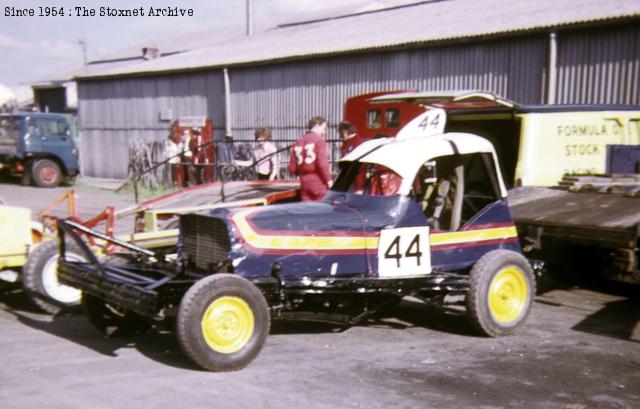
(508, 294)
(227, 325)
(501, 291)
(223, 322)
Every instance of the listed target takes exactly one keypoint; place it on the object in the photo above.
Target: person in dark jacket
(349, 136)
(310, 161)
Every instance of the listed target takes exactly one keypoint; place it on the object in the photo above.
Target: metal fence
(149, 166)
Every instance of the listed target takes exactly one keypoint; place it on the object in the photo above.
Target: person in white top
(173, 151)
(265, 158)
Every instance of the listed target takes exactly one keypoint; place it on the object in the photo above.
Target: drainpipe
(552, 69)
(249, 18)
(227, 102)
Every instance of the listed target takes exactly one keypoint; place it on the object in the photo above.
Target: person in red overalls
(310, 161)
(201, 166)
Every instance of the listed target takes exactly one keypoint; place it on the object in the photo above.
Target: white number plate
(404, 252)
(429, 123)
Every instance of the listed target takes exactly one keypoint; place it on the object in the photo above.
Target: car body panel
(340, 235)
(15, 236)
(348, 245)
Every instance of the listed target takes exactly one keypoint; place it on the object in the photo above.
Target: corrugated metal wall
(285, 96)
(599, 66)
(114, 114)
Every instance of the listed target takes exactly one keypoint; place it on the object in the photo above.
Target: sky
(34, 47)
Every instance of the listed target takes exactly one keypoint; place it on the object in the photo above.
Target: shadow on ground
(618, 319)
(159, 345)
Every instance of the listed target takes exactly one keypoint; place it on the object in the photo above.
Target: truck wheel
(501, 291)
(46, 173)
(40, 277)
(111, 321)
(223, 321)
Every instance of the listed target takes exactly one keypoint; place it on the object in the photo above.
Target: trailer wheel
(46, 173)
(111, 321)
(501, 291)
(40, 277)
(223, 321)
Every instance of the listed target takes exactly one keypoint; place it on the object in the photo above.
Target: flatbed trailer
(581, 230)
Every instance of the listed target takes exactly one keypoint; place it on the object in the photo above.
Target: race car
(424, 216)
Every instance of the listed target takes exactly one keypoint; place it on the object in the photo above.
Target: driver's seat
(439, 203)
(447, 203)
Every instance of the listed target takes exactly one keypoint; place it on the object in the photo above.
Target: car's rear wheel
(46, 173)
(501, 291)
(223, 322)
(40, 277)
(112, 321)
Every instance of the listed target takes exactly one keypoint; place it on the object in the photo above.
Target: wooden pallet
(627, 184)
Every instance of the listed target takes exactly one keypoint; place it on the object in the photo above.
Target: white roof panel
(406, 156)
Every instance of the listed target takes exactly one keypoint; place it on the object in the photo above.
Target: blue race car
(419, 216)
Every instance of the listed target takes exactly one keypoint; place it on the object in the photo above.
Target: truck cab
(536, 144)
(39, 147)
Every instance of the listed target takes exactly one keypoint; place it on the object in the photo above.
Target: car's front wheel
(223, 322)
(501, 291)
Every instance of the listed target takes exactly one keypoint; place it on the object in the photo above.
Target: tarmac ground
(579, 349)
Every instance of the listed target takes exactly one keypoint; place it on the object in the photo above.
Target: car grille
(205, 241)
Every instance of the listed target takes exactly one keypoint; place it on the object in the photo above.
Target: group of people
(189, 159)
(309, 156)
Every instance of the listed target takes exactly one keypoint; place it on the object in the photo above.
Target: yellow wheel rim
(508, 294)
(227, 324)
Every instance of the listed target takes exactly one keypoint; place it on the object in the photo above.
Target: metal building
(569, 52)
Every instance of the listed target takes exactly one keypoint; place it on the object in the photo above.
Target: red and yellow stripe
(283, 242)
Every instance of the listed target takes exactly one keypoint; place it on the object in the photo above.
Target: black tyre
(223, 322)
(501, 291)
(40, 277)
(46, 173)
(111, 321)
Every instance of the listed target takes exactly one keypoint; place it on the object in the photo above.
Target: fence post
(135, 185)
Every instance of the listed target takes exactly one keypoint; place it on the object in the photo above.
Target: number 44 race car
(417, 215)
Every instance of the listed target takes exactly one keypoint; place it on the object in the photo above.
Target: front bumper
(141, 288)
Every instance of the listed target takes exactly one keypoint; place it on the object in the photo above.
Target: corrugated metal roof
(132, 55)
(173, 44)
(425, 22)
